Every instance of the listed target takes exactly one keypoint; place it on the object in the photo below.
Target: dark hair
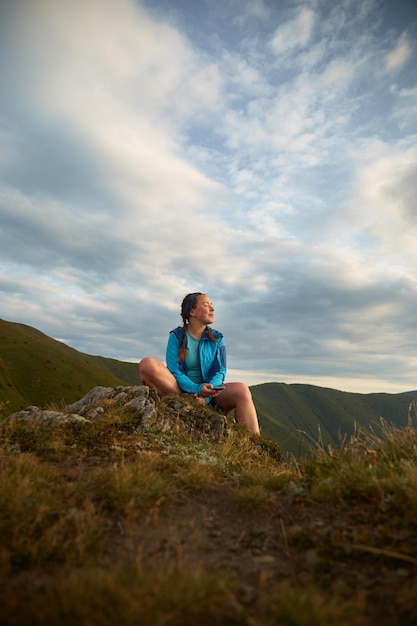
(189, 303)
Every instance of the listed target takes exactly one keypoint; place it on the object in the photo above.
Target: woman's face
(204, 310)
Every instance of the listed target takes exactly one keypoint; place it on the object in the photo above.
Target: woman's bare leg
(153, 373)
(237, 396)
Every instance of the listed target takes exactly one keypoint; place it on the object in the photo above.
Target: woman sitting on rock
(196, 363)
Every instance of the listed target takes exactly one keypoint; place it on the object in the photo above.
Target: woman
(196, 363)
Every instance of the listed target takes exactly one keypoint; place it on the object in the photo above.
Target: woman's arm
(172, 353)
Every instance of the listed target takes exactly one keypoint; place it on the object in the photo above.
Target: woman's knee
(238, 393)
(148, 367)
(243, 392)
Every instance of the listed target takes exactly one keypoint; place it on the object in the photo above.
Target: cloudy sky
(261, 151)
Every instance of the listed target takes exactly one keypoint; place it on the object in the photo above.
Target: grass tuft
(100, 523)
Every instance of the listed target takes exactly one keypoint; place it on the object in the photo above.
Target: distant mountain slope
(35, 369)
(299, 416)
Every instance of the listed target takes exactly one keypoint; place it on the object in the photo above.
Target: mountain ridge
(36, 369)
(304, 417)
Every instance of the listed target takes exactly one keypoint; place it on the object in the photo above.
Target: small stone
(265, 559)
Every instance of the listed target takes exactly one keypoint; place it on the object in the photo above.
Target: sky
(263, 152)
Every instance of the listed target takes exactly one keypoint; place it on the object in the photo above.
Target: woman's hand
(207, 391)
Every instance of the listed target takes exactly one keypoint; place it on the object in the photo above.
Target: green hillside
(302, 416)
(35, 369)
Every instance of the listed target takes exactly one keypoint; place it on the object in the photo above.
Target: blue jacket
(212, 360)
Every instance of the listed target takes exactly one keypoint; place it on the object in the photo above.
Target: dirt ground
(294, 540)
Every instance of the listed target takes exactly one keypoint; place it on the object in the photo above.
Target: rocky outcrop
(171, 413)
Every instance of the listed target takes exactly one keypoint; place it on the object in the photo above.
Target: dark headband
(188, 304)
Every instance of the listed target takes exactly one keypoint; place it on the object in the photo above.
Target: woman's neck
(196, 329)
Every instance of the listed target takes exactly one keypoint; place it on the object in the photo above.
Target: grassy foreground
(101, 525)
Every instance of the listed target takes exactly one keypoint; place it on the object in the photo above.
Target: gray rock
(93, 397)
(172, 413)
(139, 403)
(49, 417)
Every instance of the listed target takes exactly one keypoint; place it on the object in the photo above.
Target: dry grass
(381, 467)
(102, 525)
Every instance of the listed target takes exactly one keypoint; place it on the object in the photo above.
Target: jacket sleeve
(217, 372)
(172, 353)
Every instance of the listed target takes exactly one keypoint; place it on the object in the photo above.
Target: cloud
(399, 55)
(251, 9)
(127, 100)
(294, 33)
(268, 160)
(405, 109)
(125, 104)
(384, 200)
